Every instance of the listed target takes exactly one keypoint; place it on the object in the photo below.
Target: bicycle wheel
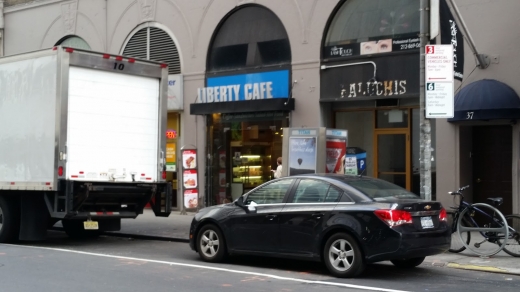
(456, 241)
(487, 232)
(512, 246)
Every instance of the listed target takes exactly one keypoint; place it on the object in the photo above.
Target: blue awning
(486, 99)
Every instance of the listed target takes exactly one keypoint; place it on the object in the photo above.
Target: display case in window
(250, 169)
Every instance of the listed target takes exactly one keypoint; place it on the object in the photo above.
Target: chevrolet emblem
(427, 207)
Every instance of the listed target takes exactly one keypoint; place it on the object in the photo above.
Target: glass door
(392, 153)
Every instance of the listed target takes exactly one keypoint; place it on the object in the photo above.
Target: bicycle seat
(496, 201)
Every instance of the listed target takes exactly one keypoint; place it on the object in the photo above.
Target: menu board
(189, 159)
(191, 198)
(189, 178)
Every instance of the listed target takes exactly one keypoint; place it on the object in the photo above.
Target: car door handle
(317, 215)
(271, 217)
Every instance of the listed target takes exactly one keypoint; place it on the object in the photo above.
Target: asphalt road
(126, 264)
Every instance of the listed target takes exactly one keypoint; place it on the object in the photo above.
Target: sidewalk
(176, 227)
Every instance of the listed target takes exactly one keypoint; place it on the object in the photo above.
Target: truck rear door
(113, 126)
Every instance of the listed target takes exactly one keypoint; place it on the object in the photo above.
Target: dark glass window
(251, 37)
(360, 21)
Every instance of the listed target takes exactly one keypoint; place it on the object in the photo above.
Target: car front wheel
(343, 256)
(211, 245)
(408, 263)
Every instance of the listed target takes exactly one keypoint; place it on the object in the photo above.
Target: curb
(490, 269)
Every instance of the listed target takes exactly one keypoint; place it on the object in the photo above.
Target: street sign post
(439, 81)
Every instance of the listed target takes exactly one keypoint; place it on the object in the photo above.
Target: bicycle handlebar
(459, 191)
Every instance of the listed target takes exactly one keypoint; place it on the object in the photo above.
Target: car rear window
(381, 190)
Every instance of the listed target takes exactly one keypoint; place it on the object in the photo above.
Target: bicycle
(492, 231)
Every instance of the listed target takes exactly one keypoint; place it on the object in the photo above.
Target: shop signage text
(242, 87)
(375, 88)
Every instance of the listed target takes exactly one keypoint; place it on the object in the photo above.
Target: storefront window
(253, 36)
(243, 150)
(172, 135)
(360, 21)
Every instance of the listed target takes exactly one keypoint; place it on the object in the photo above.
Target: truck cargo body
(81, 139)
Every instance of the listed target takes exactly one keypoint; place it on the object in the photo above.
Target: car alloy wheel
(211, 244)
(342, 256)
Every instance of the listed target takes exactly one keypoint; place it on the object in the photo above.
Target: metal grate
(153, 43)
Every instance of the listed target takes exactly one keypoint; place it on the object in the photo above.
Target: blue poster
(302, 155)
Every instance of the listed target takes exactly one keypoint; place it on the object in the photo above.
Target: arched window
(152, 43)
(359, 21)
(73, 42)
(250, 37)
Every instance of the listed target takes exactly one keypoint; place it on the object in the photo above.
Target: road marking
(214, 269)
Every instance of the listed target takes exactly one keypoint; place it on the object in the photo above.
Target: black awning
(486, 99)
(248, 106)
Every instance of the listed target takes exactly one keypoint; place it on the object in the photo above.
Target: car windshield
(381, 190)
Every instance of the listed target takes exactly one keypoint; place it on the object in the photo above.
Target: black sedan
(344, 221)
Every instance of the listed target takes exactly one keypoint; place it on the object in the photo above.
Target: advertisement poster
(302, 155)
(191, 199)
(222, 178)
(336, 149)
(189, 159)
(222, 159)
(351, 165)
(190, 179)
(170, 157)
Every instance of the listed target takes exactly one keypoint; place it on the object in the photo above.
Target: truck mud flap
(162, 201)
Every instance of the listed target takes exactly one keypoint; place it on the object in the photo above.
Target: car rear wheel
(211, 244)
(343, 256)
(408, 263)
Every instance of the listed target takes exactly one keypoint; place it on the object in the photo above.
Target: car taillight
(394, 217)
(443, 216)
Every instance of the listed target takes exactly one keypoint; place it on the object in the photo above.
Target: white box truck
(82, 140)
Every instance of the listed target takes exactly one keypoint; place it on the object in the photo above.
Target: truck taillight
(163, 174)
(60, 171)
(69, 50)
(164, 65)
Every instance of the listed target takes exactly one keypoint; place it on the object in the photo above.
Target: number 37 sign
(439, 81)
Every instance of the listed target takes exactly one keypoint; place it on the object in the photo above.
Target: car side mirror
(240, 202)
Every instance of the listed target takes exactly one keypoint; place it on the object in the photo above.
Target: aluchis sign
(253, 86)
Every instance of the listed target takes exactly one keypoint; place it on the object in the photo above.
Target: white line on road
(214, 269)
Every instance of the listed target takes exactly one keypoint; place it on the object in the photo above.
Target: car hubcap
(209, 243)
(341, 255)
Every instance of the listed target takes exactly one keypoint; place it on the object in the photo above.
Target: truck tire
(9, 220)
(75, 230)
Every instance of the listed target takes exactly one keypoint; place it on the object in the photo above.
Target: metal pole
(425, 129)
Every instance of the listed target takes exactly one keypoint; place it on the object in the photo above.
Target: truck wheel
(211, 244)
(342, 256)
(75, 229)
(9, 220)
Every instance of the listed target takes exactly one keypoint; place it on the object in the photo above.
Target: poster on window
(170, 157)
(189, 159)
(222, 178)
(191, 199)
(302, 155)
(189, 179)
(222, 159)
